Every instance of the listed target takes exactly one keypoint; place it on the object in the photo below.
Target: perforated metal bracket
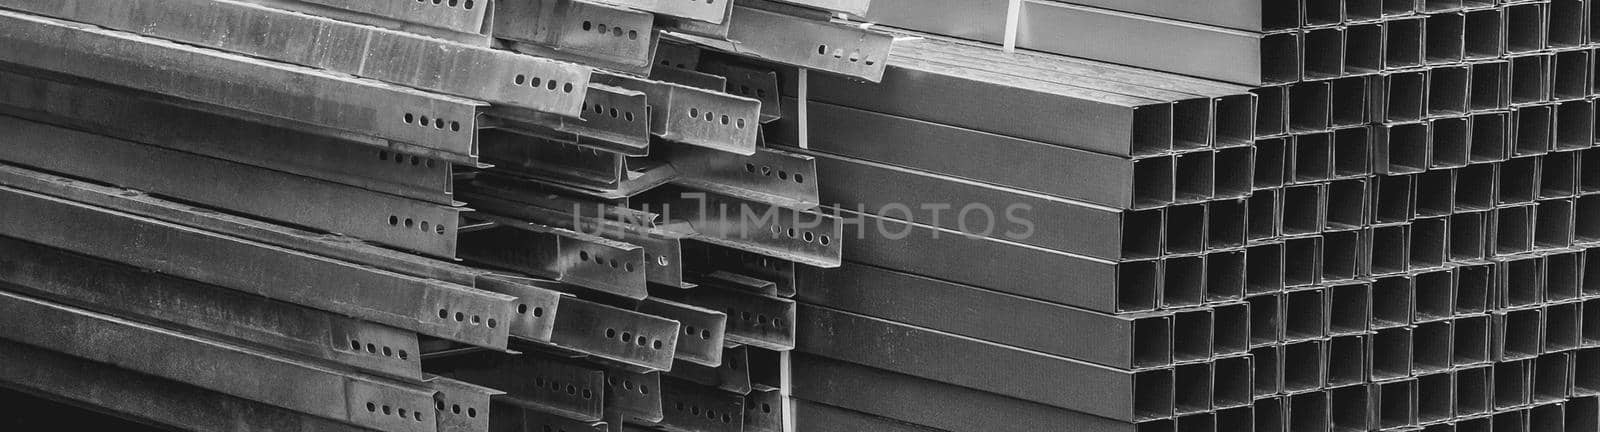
(821, 45)
(702, 337)
(711, 11)
(750, 82)
(634, 395)
(631, 338)
(709, 259)
(130, 292)
(613, 120)
(217, 366)
(541, 382)
(461, 406)
(689, 407)
(663, 255)
(146, 119)
(536, 307)
(769, 176)
(590, 33)
(564, 255)
(433, 125)
(774, 231)
(696, 116)
(429, 307)
(732, 375)
(764, 411)
(753, 319)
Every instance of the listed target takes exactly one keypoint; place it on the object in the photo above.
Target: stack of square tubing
(1392, 234)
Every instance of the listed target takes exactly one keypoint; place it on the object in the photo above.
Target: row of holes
(690, 331)
(522, 309)
(745, 90)
(400, 159)
(584, 256)
(355, 345)
(437, 123)
(710, 413)
(760, 320)
(454, 409)
(768, 171)
(855, 56)
(694, 113)
(627, 384)
(410, 223)
(548, 84)
(461, 317)
(555, 386)
(627, 337)
(613, 30)
(808, 236)
(466, 4)
(766, 408)
(626, 115)
(388, 410)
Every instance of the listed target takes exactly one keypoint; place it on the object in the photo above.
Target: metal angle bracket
(800, 236)
(568, 256)
(434, 125)
(663, 250)
(690, 407)
(216, 366)
(515, 154)
(821, 45)
(131, 292)
(703, 330)
(590, 33)
(769, 176)
(612, 119)
(751, 82)
(461, 406)
(637, 340)
(633, 394)
(696, 116)
(530, 380)
(429, 307)
(732, 375)
(753, 319)
(709, 259)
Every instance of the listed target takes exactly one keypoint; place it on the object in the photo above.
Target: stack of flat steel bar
(429, 215)
(1341, 215)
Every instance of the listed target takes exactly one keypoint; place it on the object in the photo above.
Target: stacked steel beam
(409, 215)
(1394, 233)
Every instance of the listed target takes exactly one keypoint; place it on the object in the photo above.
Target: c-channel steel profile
(535, 316)
(488, 75)
(340, 396)
(129, 292)
(120, 53)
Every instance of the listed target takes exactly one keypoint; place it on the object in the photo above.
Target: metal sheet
(294, 385)
(349, 105)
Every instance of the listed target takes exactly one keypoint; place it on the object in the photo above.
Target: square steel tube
(1490, 140)
(1390, 353)
(1266, 319)
(1403, 43)
(1518, 334)
(1513, 384)
(1352, 152)
(1268, 372)
(1397, 404)
(1429, 243)
(1392, 298)
(1513, 230)
(1350, 408)
(1312, 158)
(1474, 391)
(1467, 231)
(1228, 224)
(1225, 276)
(1263, 218)
(1451, 140)
(1553, 229)
(1349, 204)
(1558, 177)
(1568, 24)
(1122, 341)
(1445, 38)
(1436, 397)
(1525, 27)
(1302, 261)
(1436, 191)
(1485, 34)
(1271, 163)
(1563, 327)
(1264, 264)
(1347, 360)
(1571, 72)
(1350, 308)
(1304, 209)
(1432, 348)
(1230, 328)
(1342, 256)
(1563, 276)
(1474, 282)
(1363, 49)
(1471, 341)
(1185, 281)
(1121, 395)
(1434, 294)
(1186, 229)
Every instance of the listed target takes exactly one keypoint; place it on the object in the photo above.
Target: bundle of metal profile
(1404, 241)
(449, 215)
